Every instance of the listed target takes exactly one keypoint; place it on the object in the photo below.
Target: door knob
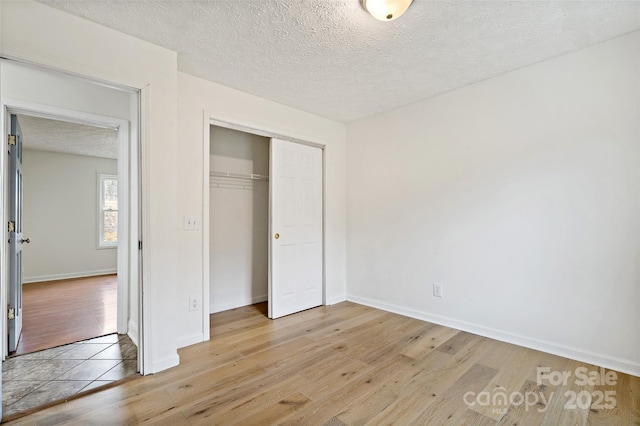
(277, 236)
(28, 240)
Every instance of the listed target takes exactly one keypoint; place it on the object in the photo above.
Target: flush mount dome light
(386, 10)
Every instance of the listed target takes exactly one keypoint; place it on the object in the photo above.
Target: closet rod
(233, 175)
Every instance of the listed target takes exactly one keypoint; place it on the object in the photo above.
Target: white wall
(35, 32)
(197, 101)
(521, 195)
(239, 221)
(61, 216)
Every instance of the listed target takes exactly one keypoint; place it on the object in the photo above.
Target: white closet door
(296, 228)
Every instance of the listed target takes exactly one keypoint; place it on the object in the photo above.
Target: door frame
(260, 129)
(14, 201)
(126, 172)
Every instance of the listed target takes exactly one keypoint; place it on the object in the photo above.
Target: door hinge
(139, 245)
(12, 226)
(11, 314)
(12, 140)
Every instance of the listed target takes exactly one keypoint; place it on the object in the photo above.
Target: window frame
(100, 195)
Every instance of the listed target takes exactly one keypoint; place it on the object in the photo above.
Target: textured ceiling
(331, 58)
(43, 134)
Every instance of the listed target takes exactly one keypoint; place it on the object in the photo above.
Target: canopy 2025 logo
(582, 376)
(499, 399)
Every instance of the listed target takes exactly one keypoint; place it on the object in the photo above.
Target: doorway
(64, 101)
(263, 217)
(239, 219)
(69, 226)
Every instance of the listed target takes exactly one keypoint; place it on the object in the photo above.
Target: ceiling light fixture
(386, 10)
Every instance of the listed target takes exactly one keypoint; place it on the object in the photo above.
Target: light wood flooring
(65, 311)
(350, 364)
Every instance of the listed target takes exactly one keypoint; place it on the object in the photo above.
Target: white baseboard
(163, 364)
(132, 332)
(237, 304)
(190, 340)
(602, 360)
(338, 299)
(259, 299)
(54, 277)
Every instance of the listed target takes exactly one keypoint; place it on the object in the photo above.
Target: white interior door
(296, 270)
(15, 234)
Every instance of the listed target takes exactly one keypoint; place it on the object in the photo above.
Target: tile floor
(39, 378)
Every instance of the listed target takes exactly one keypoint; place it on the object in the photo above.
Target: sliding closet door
(296, 228)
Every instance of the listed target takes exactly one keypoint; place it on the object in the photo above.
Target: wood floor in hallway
(348, 364)
(65, 311)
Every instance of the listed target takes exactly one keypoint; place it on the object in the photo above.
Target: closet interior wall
(239, 219)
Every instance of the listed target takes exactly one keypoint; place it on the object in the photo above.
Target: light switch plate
(437, 290)
(191, 223)
(194, 303)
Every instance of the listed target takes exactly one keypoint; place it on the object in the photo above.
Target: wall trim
(163, 364)
(55, 277)
(243, 302)
(190, 340)
(132, 332)
(335, 300)
(613, 363)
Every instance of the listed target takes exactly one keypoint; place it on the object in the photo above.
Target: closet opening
(238, 219)
(263, 221)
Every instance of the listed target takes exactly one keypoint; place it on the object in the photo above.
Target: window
(107, 211)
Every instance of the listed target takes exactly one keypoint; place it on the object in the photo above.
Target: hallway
(68, 344)
(41, 378)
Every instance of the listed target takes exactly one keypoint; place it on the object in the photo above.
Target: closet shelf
(232, 175)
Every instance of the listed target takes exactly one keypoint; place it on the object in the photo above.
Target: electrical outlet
(194, 303)
(191, 223)
(437, 289)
